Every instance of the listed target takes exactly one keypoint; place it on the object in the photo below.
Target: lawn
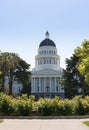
(1, 120)
(86, 122)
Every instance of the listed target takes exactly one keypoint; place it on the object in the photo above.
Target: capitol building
(47, 71)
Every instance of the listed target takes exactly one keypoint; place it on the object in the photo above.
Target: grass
(86, 123)
(1, 120)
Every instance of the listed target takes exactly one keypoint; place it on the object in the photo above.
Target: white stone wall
(16, 87)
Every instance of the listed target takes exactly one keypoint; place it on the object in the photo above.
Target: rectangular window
(37, 88)
(57, 88)
(47, 89)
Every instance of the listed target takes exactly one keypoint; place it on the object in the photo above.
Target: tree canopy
(13, 66)
(75, 76)
(83, 53)
(71, 77)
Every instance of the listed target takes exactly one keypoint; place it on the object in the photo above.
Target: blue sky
(23, 24)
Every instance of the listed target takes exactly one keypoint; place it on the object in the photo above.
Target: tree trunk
(10, 81)
(3, 80)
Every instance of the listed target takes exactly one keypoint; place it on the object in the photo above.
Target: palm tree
(14, 62)
(13, 66)
(8, 63)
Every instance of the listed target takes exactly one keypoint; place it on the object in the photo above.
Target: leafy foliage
(13, 66)
(6, 104)
(71, 79)
(12, 106)
(26, 89)
(83, 53)
(26, 106)
(22, 72)
(8, 62)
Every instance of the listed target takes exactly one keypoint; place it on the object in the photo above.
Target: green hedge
(24, 106)
(21, 106)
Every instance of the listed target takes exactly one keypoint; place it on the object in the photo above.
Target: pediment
(48, 72)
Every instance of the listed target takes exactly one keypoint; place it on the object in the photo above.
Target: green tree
(8, 62)
(13, 66)
(72, 79)
(22, 72)
(26, 89)
(83, 53)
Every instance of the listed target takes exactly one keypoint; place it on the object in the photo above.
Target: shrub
(64, 108)
(6, 106)
(24, 106)
(11, 106)
(23, 109)
(45, 107)
(80, 108)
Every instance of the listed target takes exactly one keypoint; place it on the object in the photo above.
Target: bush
(11, 106)
(45, 107)
(82, 107)
(64, 108)
(25, 106)
(24, 109)
(6, 104)
(54, 107)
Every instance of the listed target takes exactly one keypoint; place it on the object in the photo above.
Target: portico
(46, 86)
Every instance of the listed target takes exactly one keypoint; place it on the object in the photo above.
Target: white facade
(16, 87)
(47, 71)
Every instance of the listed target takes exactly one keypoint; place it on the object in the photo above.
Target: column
(50, 85)
(42, 60)
(39, 85)
(34, 86)
(44, 84)
(55, 84)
